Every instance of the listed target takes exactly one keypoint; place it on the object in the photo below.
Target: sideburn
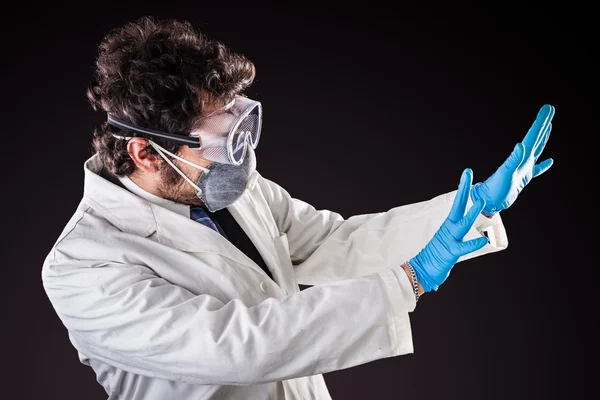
(172, 185)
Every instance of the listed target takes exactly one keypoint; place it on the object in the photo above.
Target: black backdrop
(365, 109)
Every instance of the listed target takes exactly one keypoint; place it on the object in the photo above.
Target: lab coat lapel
(182, 233)
(185, 234)
(138, 216)
(249, 217)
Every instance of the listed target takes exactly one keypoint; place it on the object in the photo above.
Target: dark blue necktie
(198, 214)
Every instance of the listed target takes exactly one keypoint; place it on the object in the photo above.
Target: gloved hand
(502, 188)
(433, 263)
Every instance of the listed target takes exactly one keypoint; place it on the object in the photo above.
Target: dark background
(365, 109)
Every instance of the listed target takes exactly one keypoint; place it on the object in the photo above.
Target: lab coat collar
(128, 212)
(178, 208)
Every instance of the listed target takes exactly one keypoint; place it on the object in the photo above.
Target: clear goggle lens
(224, 137)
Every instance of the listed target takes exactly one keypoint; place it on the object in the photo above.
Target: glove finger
(472, 245)
(462, 195)
(544, 117)
(540, 146)
(542, 167)
(468, 220)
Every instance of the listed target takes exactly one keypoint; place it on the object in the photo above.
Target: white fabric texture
(162, 307)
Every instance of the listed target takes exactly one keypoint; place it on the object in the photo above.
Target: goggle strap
(176, 137)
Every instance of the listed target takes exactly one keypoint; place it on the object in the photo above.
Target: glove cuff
(490, 209)
(422, 277)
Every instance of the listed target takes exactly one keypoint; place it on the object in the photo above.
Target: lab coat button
(264, 286)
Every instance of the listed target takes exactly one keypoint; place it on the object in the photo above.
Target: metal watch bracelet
(413, 277)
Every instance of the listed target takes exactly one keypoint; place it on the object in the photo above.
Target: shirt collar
(178, 208)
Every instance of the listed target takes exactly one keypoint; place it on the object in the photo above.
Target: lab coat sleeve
(325, 247)
(128, 317)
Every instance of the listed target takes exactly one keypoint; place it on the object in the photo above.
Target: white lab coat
(164, 308)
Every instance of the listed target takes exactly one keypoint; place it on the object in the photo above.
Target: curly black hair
(158, 74)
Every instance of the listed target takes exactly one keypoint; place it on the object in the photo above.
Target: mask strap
(158, 149)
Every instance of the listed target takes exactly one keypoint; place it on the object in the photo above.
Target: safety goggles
(223, 136)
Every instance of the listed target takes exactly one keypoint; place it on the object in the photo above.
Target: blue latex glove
(433, 264)
(502, 188)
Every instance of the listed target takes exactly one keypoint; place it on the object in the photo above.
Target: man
(178, 275)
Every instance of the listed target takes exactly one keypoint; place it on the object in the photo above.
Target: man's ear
(144, 160)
